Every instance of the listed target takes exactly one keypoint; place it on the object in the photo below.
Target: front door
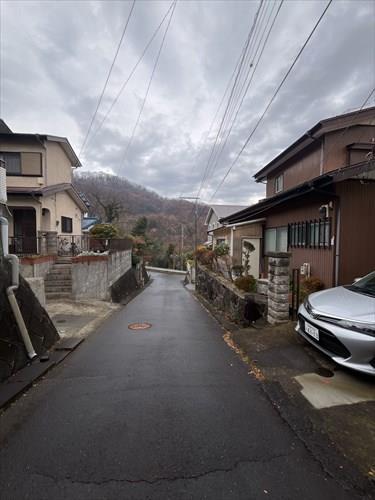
(24, 220)
(254, 256)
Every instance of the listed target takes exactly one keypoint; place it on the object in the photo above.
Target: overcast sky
(56, 55)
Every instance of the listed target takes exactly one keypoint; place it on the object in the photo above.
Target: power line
(216, 113)
(273, 98)
(237, 96)
(150, 82)
(249, 81)
(131, 73)
(107, 79)
(205, 173)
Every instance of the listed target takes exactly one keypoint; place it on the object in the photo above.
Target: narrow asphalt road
(164, 413)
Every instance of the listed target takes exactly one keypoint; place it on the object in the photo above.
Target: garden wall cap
(278, 254)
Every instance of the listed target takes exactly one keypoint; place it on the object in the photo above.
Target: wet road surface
(164, 413)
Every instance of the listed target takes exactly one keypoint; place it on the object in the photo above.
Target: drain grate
(139, 326)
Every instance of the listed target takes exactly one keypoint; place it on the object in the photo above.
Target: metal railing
(72, 245)
(66, 245)
(24, 245)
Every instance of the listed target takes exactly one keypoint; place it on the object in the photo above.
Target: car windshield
(365, 285)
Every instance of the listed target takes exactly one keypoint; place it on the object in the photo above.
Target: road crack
(218, 470)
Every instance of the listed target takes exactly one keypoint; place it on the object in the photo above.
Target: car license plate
(311, 330)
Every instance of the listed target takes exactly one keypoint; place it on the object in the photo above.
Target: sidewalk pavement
(79, 319)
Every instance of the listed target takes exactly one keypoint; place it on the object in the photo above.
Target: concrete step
(60, 288)
(58, 295)
(61, 266)
(57, 286)
(59, 271)
(49, 283)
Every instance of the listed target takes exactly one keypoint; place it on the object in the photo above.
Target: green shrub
(106, 231)
(308, 286)
(221, 250)
(204, 256)
(246, 283)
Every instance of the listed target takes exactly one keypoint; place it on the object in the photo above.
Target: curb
(21, 381)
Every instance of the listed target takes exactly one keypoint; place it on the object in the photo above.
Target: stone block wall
(93, 275)
(278, 287)
(239, 307)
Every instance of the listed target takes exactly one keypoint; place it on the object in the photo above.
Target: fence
(25, 245)
(75, 244)
(65, 245)
(72, 244)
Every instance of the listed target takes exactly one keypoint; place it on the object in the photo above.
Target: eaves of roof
(63, 141)
(50, 190)
(315, 185)
(311, 136)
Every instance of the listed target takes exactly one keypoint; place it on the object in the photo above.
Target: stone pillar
(42, 243)
(278, 287)
(52, 243)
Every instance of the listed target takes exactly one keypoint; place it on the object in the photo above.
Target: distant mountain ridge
(168, 218)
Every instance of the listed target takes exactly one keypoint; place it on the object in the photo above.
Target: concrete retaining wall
(42, 332)
(36, 267)
(92, 276)
(37, 286)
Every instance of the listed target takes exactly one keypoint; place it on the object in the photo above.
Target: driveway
(169, 412)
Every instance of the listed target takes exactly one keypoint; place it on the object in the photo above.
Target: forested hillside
(169, 221)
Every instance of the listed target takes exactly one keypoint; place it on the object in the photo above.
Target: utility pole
(196, 198)
(182, 247)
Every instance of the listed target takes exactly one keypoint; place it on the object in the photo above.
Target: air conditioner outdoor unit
(3, 186)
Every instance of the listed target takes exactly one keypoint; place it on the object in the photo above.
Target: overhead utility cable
(107, 79)
(240, 67)
(207, 135)
(149, 83)
(202, 147)
(131, 73)
(222, 146)
(272, 99)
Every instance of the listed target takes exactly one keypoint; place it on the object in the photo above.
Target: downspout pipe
(15, 267)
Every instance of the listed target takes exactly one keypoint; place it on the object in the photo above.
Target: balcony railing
(69, 245)
(24, 245)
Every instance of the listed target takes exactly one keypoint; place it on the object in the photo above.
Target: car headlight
(307, 306)
(367, 329)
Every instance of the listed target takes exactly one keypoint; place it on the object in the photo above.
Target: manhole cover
(139, 326)
(324, 372)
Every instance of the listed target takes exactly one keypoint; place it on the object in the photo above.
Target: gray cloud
(55, 57)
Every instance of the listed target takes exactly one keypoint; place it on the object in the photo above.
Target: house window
(279, 183)
(66, 224)
(12, 163)
(312, 234)
(276, 239)
(219, 241)
(25, 164)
